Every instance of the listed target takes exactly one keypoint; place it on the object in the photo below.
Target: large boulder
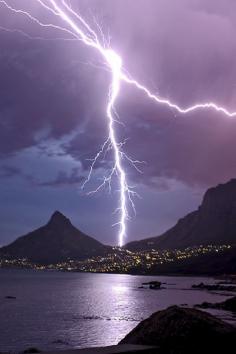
(183, 330)
(229, 305)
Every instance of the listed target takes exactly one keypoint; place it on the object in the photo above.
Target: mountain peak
(58, 218)
(55, 242)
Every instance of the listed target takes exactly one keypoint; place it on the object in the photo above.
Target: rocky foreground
(179, 330)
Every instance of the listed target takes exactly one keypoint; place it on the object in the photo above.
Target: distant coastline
(201, 243)
(178, 262)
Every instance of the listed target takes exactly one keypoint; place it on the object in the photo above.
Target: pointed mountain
(213, 223)
(58, 219)
(56, 241)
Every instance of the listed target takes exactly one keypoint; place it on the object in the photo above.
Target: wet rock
(183, 330)
(31, 350)
(214, 287)
(153, 285)
(227, 305)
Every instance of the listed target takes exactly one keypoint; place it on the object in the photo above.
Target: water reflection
(119, 289)
(56, 310)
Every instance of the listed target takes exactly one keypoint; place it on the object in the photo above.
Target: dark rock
(206, 305)
(183, 330)
(31, 350)
(213, 223)
(153, 285)
(10, 297)
(227, 282)
(214, 287)
(227, 305)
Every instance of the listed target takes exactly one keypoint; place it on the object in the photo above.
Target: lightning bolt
(79, 29)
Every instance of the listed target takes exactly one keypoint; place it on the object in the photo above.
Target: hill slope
(213, 223)
(206, 264)
(57, 241)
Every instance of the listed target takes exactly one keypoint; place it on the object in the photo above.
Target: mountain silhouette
(213, 223)
(56, 241)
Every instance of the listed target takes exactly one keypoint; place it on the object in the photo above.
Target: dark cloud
(195, 149)
(44, 86)
(9, 171)
(64, 179)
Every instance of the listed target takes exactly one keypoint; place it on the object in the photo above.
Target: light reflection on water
(119, 289)
(56, 310)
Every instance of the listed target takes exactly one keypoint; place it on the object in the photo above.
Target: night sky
(53, 96)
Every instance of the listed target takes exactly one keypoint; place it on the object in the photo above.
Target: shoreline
(185, 275)
(148, 336)
(110, 349)
(118, 287)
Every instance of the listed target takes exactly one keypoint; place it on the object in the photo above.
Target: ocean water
(57, 310)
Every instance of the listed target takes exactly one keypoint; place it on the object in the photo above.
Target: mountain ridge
(214, 222)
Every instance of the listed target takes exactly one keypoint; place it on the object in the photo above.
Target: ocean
(61, 310)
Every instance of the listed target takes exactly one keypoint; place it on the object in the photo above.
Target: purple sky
(52, 103)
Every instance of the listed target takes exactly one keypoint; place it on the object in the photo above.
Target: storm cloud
(53, 95)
